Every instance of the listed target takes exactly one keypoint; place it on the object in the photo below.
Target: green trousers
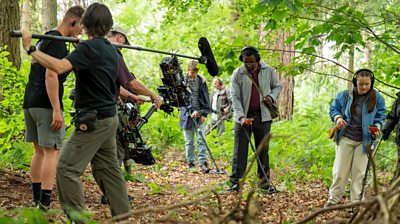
(98, 148)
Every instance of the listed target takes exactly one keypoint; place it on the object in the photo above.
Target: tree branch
(320, 73)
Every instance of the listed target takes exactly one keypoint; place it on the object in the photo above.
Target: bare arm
(128, 95)
(60, 66)
(139, 88)
(53, 92)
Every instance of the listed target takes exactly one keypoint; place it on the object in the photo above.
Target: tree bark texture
(26, 14)
(49, 14)
(286, 98)
(351, 66)
(9, 20)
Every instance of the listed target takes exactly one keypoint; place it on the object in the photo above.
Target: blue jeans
(189, 144)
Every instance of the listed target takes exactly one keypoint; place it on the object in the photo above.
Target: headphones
(250, 48)
(354, 80)
(73, 23)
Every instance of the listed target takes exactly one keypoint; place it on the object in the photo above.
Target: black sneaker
(104, 200)
(34, 203)
(43, 207)
(191, 165)
(204, 167)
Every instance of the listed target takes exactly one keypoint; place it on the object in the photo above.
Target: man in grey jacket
(220, 105)
(251, 115)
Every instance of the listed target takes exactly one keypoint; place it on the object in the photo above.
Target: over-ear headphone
(250, 48)
(73, 23)
(354, 80)
(220, 81)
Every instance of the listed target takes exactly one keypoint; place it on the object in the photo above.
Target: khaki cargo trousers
(98, 148)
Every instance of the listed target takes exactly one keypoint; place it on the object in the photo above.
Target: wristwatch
(31, 49)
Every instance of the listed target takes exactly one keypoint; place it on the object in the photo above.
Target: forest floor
(169, 183)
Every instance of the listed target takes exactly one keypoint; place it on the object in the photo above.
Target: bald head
(218, 83)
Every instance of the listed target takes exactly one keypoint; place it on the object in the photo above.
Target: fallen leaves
(170, 184)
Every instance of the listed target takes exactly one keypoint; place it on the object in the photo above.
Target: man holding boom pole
(95, 63)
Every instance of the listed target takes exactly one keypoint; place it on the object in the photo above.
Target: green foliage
(135, 177)
(11, 112)
(17, 156)
(155, 188)
(24, 215)
(181, 189)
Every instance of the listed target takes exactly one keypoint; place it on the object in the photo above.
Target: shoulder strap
(252, 80)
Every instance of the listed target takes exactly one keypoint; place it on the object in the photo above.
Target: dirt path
(168, 183)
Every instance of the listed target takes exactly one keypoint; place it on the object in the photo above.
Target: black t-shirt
(35, 91)
(95, 63)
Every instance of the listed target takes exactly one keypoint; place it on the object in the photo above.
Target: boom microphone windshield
(208, 57)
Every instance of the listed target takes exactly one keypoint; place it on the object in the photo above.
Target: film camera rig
(174, 92)
(128, 135)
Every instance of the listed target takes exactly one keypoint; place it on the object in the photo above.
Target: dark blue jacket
(185, 121)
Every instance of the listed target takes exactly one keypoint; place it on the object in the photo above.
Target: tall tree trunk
(49, 14)
(9, 20)
(351, 66)
(286, 98)
(26, 14)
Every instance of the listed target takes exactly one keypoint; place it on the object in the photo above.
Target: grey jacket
(223, 101)
(241, 90)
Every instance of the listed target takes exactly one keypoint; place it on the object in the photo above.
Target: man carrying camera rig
(128, 81)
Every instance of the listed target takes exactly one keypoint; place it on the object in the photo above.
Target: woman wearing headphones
(353, 111)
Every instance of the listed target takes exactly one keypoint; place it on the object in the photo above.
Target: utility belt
(86, 120)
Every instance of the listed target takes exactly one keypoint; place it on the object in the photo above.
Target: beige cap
(193, 65)
(120, 30)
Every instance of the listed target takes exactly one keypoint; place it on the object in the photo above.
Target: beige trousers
(349, 159)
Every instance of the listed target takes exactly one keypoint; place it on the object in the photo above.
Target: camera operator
(43, 109)
(196, 112)
(95, 63)
(221, 106)
(128, 81)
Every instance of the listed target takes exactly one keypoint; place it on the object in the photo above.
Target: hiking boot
(191, 165)
(268, 189)
(204, 167)
(43, 207)
(104, 199)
